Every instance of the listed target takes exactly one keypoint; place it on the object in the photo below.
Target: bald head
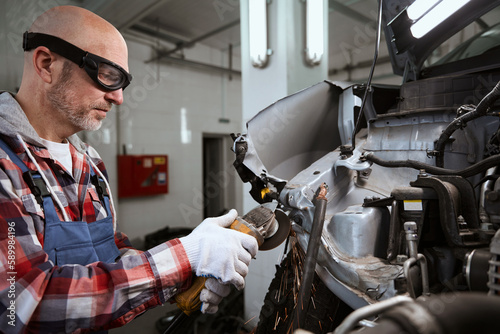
(84, 29)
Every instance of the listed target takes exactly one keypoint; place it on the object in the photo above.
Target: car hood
(407, 53)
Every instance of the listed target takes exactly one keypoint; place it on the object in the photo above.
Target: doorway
(218, 175)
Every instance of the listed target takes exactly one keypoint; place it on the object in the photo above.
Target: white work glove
(216, 251)
(212, 295)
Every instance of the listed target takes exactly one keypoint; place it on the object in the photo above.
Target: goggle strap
(32, 40)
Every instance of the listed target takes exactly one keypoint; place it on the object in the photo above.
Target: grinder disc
(281, 234)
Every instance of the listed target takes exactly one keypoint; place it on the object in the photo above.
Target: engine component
(462, 121)
(467, 172)
(422, 262)
(414, 257)
(411, 238)
(493, 145)
(476, 265)
(353, 230)
(492, 200)
(494, 272)
(459, 313)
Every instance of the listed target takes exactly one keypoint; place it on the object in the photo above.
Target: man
(65, 266)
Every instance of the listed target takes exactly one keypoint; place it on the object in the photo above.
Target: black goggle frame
(86, 60)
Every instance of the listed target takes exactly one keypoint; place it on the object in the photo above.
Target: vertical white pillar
(286, 73)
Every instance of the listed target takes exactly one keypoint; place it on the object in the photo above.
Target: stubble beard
(66, 103)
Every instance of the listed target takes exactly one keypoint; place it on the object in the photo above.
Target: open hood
(408, 53)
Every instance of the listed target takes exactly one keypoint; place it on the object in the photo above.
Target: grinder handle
(189, 301)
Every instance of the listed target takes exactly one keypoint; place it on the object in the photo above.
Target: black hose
(461, 313)
(460, 122)
(477, 168)
(311, 258)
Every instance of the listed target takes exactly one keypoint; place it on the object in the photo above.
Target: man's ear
(43, 63)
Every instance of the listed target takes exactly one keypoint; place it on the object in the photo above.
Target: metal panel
(294, 132)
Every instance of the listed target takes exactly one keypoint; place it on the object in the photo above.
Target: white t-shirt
(61, 153)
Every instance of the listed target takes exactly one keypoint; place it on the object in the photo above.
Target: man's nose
(115, 96)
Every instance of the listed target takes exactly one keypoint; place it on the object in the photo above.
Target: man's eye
(107, 76)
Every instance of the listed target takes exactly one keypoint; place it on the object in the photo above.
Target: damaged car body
(412, 178)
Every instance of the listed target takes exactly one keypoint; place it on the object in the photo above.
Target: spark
(250, 319)
(314, 305)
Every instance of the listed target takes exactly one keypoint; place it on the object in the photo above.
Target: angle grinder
(269, 225)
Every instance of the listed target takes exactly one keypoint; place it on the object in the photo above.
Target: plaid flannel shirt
(38, 297)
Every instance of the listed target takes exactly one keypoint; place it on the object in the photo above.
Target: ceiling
(182, 23)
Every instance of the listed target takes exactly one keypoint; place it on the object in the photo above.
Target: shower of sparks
(290, 283)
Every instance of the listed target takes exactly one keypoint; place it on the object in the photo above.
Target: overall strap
(101, 188)
(32, 178)
(15, 159)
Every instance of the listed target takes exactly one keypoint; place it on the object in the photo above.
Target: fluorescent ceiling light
(419, 8)
(435, 16)
(314, 31)
(257, 26)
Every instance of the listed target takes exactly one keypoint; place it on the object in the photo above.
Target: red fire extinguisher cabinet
(142, 175)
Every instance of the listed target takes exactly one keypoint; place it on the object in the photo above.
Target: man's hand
(216, 251)
(212, 295)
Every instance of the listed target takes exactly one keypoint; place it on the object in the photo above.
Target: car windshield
(485, 37)
(476, 46)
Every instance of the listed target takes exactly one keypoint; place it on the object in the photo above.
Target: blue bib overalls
(71, 242)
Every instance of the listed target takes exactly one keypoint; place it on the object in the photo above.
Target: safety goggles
(105, 73)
